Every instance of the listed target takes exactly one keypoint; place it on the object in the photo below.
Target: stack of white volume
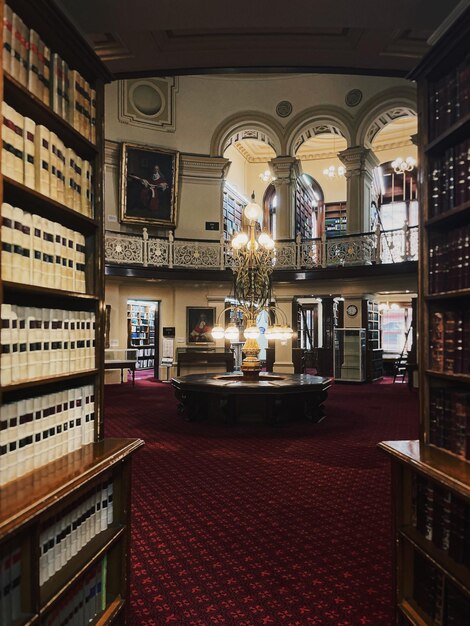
(10, 587)
(36, 251)
(84, 602)
(61, 540)
(36, 431)
(39, 343)
(36, 157)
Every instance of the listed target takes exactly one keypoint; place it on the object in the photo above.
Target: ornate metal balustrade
(379, 247)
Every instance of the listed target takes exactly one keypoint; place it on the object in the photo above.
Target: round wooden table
(274, 398)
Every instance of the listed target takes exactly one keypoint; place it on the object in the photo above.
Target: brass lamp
(253, 259)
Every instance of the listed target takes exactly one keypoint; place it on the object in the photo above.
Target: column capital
(203, 167)
(282, 168)
(358, 160)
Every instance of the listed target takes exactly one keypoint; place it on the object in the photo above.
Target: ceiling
(145, 37)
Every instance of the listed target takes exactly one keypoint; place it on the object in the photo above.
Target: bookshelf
(350, 354)
(431, 477)
(65, 505)
(141, 319)
(233, 205)
(374, 354)
(306, 209)
(335, 219)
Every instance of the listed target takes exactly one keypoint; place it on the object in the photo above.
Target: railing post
(323, 250)
(378, 244)
(171, 239)
(145, 251)
(222, 251)
(298, 253)
(406, 241)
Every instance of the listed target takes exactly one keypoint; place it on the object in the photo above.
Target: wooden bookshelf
(56, 466)
(431, 477)
(371, 321)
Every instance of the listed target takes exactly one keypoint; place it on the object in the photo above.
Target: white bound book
(29, 153)
(7, 242)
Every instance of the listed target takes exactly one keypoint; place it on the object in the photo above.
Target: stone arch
(315, 121)
(247, 125)
(385, 107)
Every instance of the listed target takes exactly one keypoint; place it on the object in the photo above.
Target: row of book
(36, 431)
(47, 76)
(10, 587)
(81, 605)
(449, 260)
(37, 158)
(442, 601)
(73, 529)
(449, 341)
(38, 251)
(449, 420)
(442, 518)
(449, 98)
(37, 343)
(449, 179)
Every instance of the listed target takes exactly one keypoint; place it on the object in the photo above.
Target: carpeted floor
(253, 525)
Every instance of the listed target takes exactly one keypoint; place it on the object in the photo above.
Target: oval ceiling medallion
(353, 97)
(284, 108)
(146, 99)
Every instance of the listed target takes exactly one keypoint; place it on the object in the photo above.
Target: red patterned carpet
(253, 525)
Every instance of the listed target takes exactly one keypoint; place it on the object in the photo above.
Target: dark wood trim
(287, 69)
(355, 271)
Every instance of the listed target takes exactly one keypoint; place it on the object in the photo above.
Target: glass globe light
(236, 243)
(253, 212)
(270, 244)
(232, 333)
(285, 333)
(272, 332)
(264, 240)
(218, 332)
(251, 331)
(252, 245)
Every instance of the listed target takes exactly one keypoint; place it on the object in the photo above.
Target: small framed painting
(200, 321)
(149, 185)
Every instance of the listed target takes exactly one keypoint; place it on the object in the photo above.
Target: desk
(117, 364)
(204, 358)
(274, 398)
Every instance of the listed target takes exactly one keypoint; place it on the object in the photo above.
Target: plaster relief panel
(148, 102)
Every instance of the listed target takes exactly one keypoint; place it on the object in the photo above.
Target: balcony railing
(379, 247)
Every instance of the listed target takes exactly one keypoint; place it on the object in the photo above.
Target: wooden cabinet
(374, 354)
(65, 492)
(431, 477)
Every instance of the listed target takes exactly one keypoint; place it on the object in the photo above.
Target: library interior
(235, 321)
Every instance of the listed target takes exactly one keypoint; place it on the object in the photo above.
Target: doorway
(142, 333)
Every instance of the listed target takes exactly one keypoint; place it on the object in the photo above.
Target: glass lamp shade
(251, 332)
(272, 332)
(252, 245)
(236, 243)
(232, 333)
(218, 332)
(265, 240)
(285, 332)
(253, 212)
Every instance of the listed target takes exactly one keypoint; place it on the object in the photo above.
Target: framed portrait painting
(199, 324)
(149, 185)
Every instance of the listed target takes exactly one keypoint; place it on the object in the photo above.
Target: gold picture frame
(149, 185)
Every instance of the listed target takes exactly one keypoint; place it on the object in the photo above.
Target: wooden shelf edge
(38, 382)
(447, 215)
(110, 613)
(430, 555)
(450, 471)
(14, 186)
(88, 556)
(446, 563)
(412, 614)
(455, 293)
(49, 291)
(447, 135)
(464, 378)
(122, 449)
(27, 619)
(10, 83)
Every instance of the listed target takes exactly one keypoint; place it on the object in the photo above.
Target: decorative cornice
(203, 167)
(358, 160)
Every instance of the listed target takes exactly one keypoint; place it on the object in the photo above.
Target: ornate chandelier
(334, 171)
(267, 177)
(401, 166)
(252, 264)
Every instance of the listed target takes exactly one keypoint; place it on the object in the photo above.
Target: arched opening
(249, 154)
(396, 200)
(309, 202)
(318, 155)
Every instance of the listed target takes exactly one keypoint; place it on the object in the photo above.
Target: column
(283, 349)
(201, 192)
(359, 163)
(284, 171)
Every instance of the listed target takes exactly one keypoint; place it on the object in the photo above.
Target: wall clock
(351, 310)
